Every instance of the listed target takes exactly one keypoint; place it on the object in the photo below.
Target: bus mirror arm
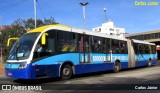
(9, 39)
(43, 39)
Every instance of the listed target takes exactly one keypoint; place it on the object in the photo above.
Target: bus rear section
(141, 53)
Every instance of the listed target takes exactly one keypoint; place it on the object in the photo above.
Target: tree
(29, 24)
(49, 21)
(17, 28)
(10, 31)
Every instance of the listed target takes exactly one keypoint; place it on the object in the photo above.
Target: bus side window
(123, 47)
(150, 49)
(80, 43)
(73, 42)
(87, 43)
(142, 48)
(153, 49)
(146, 49)
(136, 48)
(108, 48)
(60, 41)
(115, 46)
(67, 42)
(72, 48)
(97, 45)
(104, 45)
(65, 47)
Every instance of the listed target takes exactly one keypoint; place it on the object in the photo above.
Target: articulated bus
(63, 51)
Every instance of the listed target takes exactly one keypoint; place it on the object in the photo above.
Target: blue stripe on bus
(94, 58)
(76, 58)
(141, 63)
(154, 61)
(145, 63)
(143, 57)
(46, 70)
(87, 68)
(59, 59)
(124, 65)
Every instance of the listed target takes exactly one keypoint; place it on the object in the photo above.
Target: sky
(124, 13)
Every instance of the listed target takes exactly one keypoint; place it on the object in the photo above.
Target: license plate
(9, 74)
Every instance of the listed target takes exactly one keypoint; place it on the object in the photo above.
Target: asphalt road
(124, 81)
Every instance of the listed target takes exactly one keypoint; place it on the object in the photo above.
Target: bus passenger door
(84, 49)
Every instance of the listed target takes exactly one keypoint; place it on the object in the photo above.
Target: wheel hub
(66, 71)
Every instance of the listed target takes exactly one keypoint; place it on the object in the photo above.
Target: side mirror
(43, 38)
(9, 39)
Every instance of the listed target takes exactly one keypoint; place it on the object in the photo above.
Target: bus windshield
(22, 48)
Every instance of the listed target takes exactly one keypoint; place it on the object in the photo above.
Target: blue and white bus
(63, 51)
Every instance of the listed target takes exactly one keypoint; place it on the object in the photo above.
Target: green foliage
(28, 24)
(9, 31)
(18, 28)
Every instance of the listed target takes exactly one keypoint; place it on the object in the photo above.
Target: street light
(105, 13)
(84, 14)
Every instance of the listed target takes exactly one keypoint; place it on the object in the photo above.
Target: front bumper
(24, 73)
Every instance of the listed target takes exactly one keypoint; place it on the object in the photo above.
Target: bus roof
(82, 31)
(42, 28)
(142, 42)
(72, 29)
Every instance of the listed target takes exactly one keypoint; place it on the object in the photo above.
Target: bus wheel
(150, 63)
(66, 72)
(117, 67)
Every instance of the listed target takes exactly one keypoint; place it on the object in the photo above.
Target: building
(150, 36)
(109, 28)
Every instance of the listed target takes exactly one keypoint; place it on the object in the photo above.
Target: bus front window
(22, 48)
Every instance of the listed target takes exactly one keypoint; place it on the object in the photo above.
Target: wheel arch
(119, 62)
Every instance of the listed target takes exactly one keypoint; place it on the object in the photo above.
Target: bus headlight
(22, 66)
(16, 65)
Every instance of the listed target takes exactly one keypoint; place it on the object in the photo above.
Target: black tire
(150, 63)
(117, 67)
(66, 72)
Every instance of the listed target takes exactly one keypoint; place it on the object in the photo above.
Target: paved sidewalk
(1, 71)
(2, 65)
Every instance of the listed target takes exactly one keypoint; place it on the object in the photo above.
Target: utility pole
(35, 15)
